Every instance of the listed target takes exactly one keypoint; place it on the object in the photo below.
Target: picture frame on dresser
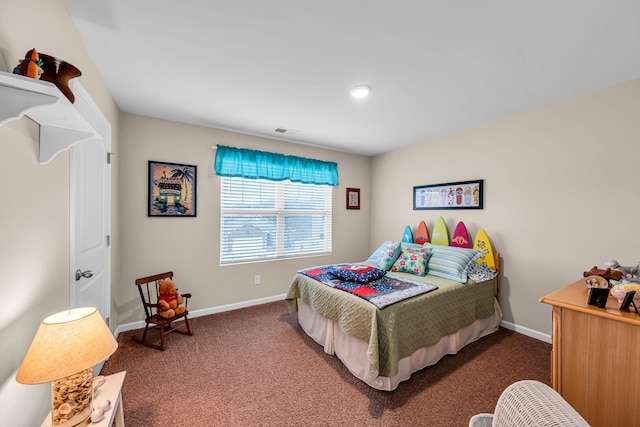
(598, 297)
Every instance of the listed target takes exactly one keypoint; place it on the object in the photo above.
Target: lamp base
(71, 399)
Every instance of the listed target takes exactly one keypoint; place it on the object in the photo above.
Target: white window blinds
(262, 220)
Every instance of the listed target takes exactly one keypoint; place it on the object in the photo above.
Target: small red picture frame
(353, 198)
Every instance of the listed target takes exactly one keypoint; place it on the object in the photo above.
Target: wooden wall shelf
(61, 124)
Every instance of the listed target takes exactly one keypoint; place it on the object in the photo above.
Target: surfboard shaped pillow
(483, 243)
(407, 236)
(460, 238)
(440, 235)
(422, 234)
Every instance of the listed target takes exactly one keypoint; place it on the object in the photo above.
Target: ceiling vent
(286, 131)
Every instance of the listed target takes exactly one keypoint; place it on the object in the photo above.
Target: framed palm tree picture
(172, 189)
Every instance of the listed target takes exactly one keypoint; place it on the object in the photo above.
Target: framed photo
(353, 198)
(452, 195)
(172, 189)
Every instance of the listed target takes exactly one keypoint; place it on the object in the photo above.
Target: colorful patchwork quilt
(374, 285)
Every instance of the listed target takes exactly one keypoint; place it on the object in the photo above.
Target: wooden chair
(149, 291)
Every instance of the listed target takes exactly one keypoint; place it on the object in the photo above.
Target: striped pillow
(385, 255)
(450, 262)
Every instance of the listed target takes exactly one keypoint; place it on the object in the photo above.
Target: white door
(90, 213)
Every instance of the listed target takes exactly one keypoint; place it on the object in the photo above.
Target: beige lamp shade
(66, 343)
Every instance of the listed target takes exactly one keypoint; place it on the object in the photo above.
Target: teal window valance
(254, 164)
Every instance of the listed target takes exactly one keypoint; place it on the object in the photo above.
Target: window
(264, 220)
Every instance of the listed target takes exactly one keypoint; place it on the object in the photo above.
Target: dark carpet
(256, 367)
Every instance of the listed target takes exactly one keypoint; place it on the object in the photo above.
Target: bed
(384, 346)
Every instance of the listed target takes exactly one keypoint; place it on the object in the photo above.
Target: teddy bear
(630, 274)
(170, 300)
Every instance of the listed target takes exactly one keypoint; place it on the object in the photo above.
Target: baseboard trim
(205, 312)
(222, 308)
(526, 331)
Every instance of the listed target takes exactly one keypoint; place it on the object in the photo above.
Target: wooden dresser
(595, 358)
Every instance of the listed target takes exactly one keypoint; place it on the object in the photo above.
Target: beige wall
(34, 255)
(561, 192)
(190, 246)
(560, 186)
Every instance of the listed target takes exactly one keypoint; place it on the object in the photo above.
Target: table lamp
(65, 349)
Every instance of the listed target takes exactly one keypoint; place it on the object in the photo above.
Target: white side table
(110, 390)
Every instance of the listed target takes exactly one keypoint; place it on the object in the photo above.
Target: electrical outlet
(256, 279)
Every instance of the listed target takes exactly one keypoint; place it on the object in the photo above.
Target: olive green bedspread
(400, 329)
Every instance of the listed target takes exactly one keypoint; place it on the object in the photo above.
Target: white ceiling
(435, 66)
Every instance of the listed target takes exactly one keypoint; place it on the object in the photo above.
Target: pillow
(358, 273)
(410, 245)
(480, 272)
(412, 260)
(385, 255)
(375, 256)
(450, 262)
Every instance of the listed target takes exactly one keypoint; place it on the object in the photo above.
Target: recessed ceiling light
(361, 91)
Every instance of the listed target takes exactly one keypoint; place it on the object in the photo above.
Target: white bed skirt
(353, 351)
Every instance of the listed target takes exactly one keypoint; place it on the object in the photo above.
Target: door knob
(85, 274)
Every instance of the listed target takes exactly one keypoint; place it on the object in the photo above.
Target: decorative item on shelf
(596, 282)
(619, 291)
(97, 416)
(598, 297)
(628, 301)
(607, 274)
(630, 274)
(98, 412)
(59, 72)
(97, 383)
(50, 69)
(30, 66)
(64, 350)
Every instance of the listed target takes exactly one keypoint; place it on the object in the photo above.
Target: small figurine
(41, 66)
(30, 66)
(628, 274)
(98, 413)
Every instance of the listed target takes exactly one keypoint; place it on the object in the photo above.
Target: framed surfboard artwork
(451, 195)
